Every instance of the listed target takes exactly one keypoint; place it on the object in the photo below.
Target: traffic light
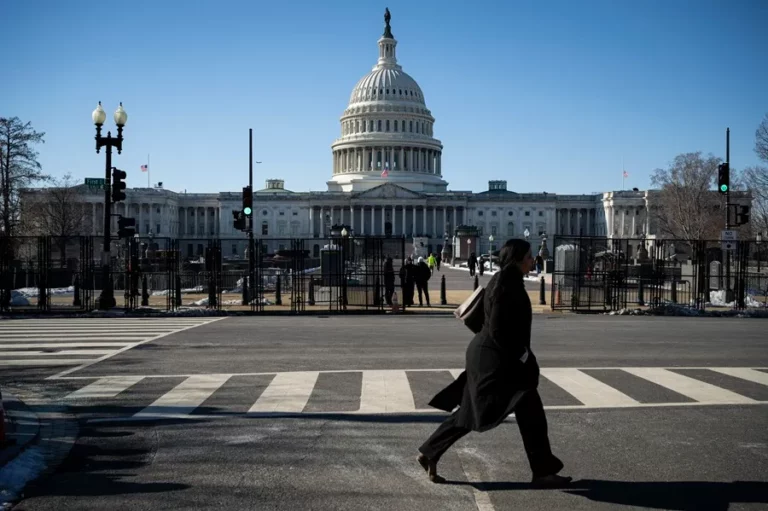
(118, 184)
(239, 220)
(126, 227)
(247, 201)
(723, 178)
(742, 217)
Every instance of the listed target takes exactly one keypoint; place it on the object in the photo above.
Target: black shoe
(431, 468)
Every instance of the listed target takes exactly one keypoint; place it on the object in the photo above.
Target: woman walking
(501, 376)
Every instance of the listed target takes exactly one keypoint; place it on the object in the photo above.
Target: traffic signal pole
(728, 291)
(107, 297)
(251, 247)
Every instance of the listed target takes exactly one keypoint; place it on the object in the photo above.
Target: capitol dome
(387, 131)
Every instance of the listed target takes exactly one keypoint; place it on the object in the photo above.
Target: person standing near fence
(501, 376)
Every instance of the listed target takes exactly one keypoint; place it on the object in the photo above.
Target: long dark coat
(487, 390)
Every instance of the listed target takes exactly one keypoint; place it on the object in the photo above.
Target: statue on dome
(387, 28)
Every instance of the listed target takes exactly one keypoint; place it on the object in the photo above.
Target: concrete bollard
(477, 283)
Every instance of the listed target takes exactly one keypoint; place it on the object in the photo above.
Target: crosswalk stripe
(105, 387)
(687, 386)
(32, 338)
(37, 353)
(28, 344)
(185, 397)
(386, 391)
(590, 391)
(456, 373)
(43, 362)
(744, 373)
(287, 392)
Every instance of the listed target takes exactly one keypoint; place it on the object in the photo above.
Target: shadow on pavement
(673, 495)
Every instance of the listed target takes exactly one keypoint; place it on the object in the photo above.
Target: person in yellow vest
(431, 262)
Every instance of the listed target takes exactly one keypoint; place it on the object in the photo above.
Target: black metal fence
(601, 274)
(46, 273)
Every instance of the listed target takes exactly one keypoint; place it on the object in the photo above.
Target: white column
(634, 216)
(352, 217)
(410, 159)
(434, 222)
(424, 222)
(623, 219)
(413, 220)
(404, 228)
(312, 221)
(402, 158)
(383, 220)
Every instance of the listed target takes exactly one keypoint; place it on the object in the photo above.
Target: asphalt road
(217, 432)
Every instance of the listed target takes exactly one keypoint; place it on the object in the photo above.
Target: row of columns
(576, 222)
(360, 159)
(628, 217)
(362, 224)
(135, 210)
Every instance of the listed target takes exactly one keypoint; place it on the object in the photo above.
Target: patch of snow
(188, 290)
(15, 475)
(33, 291)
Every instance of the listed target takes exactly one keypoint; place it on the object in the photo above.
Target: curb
(24, 427)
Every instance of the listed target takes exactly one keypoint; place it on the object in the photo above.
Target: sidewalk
(44, 434)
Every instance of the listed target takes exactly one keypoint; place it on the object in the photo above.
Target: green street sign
(95, 182)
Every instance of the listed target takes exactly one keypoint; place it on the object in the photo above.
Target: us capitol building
(386, 179)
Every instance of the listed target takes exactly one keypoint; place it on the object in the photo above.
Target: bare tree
(57, 211)
(761, 139)
(688, 208)
(19, 167)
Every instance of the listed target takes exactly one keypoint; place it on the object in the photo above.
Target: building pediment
(388, 191)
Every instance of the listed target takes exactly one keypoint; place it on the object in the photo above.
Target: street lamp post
(107, 297)
(490, 250)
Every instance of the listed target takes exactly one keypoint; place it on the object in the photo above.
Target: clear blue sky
(550, 95)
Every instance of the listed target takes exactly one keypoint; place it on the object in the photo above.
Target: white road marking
(105, 387)
(482, 499)
(58, 353)
(287, 392)
(386, 391)
(590, 391)
(185, 397)
(456, 373)
(133, 345)
(689, 387)
(744, 373)
(40, 345)
(43, 362)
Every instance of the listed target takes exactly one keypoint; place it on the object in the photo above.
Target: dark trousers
(423, 288)
(532, 423)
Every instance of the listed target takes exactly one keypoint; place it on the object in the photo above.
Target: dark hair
(512, 252)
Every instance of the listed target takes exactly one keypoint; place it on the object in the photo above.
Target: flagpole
(623, 175)
(148, 186)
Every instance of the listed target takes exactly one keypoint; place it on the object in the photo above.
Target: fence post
(674, 289)
(144, 292)
(640, 291)
(76, 302)
(443, 298)
(278, 297)
(542, 293)
(311, 290)
(376, 292)
(245, 290)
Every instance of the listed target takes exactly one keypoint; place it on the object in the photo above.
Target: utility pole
(728, 290)
(251, 246)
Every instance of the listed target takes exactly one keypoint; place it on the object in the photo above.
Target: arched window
(510, 228)
(387, 124)
(379, 126)
(265, 228)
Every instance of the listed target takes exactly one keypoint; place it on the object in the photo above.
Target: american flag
(144, 168)
(386, 170)
(626, 175)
